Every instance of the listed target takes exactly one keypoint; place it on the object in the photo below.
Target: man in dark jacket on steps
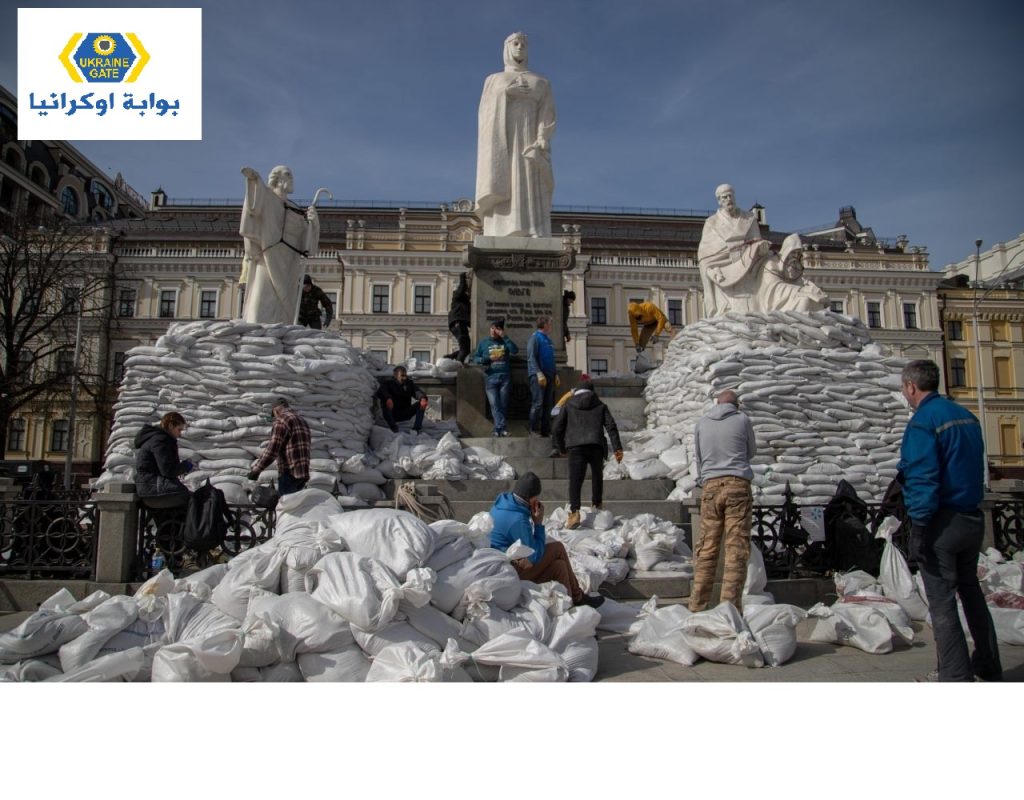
(580, 428)
(401, 399)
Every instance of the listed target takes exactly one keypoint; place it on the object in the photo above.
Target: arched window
(69, 200)
(103, 197)
(39, 177)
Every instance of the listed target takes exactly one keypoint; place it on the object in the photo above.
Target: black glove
(253, 475)
(915, 544)
(639, 349)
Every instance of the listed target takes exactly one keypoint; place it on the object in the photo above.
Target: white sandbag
(652, 548)
(858, 625)
(449, 548)
(722, 635)
(43, 632)
(348, 665)
(486, 621)
(575, 625)
(616, 617)
(1009, 625)
(757, 579)
(517, 649)
(434, 624)
(603, 520)
(364, 591)
(281, 672)
(487, 566)
(304, 544)
(261, 569)
(113, 668)
(304, 624)
(657, 633)
(395, 538)
(207, 660)
(367, 492)
(406, 663)
(581, 658)
(202, 583)
(648, 470)
(857, 582)
(774, 629)
(894, 574)
(373, 643)
(107, 619)
(33, 670)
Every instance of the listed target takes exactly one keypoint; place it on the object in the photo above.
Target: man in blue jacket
(540, 369)
(519, 514)
(942, 463)
(495, 353)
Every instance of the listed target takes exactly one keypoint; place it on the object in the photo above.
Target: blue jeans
(288, 484)
(498, 388)
(542, 400)
(946, 550)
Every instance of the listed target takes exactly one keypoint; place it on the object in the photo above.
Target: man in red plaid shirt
(289, 444)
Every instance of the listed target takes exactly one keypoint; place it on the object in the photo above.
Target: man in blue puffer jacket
(942, 464)
(519, 514)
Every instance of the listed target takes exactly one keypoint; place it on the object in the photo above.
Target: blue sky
(911, 111)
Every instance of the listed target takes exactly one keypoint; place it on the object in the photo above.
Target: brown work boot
(573, 522)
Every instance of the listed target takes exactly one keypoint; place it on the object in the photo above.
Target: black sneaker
(594, 601)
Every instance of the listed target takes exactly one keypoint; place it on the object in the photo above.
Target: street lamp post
(977, 361)
(73, 404)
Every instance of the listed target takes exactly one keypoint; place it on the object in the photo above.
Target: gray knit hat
(528, 486)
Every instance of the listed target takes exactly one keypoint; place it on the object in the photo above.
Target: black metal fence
(787, 550)
(162, 530)
(49, 535)
(1008, 527)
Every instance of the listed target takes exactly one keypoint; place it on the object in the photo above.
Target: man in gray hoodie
(724, 443)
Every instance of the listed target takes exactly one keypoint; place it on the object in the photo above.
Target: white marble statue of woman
(514, 181)
(277, 235)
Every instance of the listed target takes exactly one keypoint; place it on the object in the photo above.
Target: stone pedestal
(518, 279)
(118, 533)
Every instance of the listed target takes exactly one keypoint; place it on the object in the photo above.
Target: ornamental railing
(1008, 527)
(161, 529)
(49, 535)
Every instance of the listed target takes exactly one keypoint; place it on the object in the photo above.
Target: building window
(65, 363)
(69, 200)
(956, 330)
(118, 366)
(909, 316)
(421, 299)
(208, 304)
(16, 435)
(675, 312)
(71, 300)
(599, 366)
(957, 372)
(102, 196)
(26, 362)
(836, 306)
(381, 299)
(381, 354)
(1004, 373)
(874, 315)
(333, 297)
(59, 436)
(598, 310)
(126, 303)
(422, 356)
(168, 303)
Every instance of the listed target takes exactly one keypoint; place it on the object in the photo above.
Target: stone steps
(557, 488)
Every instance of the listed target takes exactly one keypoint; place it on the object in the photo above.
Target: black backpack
(207, 519)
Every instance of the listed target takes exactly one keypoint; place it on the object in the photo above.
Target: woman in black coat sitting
(157, 465)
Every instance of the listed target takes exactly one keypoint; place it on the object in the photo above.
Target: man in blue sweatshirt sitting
(519, 514)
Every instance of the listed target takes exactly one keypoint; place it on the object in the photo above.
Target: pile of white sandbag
(222, 377)
(363, 595)
(607, 549)
(406, 455)
(824, 400)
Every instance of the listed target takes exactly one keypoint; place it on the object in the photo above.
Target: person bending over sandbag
(519, 515)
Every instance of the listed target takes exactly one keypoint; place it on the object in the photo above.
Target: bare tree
(55, 280)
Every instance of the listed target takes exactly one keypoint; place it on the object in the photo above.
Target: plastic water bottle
(157, 562)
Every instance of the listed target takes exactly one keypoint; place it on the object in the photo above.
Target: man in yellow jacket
(650, 321)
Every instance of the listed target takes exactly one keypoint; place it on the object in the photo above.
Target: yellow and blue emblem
(104, 57)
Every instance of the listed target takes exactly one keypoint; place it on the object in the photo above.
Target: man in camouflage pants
(724, 444)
